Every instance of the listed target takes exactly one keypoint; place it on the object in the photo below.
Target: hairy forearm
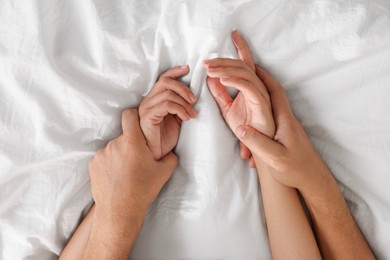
(75, 248)
(113, 235)
(289, 231)
(337, 233)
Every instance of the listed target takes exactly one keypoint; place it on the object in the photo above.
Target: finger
(220, 94)
(168, 95)
(281, 107)
(130, 123)
(176, 72)
(179, 88)
(259, 144)
(232, 72)
(245, 153)
(157, 114)
(224, 62)
(252, 163)
(168, 165)
(243, 50)
(256, 93)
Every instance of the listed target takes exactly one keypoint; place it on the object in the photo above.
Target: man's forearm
(337, 233)
(113, 235)
(75, 248)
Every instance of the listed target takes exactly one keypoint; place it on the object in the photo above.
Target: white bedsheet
(68, 68)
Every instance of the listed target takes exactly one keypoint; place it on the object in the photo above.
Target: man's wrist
(113, 233)
(118, 219)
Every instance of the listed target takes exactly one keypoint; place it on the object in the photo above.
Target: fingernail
(183, 66)
(241, 131)
(192, 97)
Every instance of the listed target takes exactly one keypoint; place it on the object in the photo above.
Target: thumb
(168, 164)
(259, 144)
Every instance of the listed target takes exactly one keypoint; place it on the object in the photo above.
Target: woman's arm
(289, 231)
(290, 234)
(293, 161)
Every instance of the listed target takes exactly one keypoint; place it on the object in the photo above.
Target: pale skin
(271, 138)
(291, 160)
(289, 231)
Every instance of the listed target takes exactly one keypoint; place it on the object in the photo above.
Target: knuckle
(169, 94)
(164, 81)
(167, 104)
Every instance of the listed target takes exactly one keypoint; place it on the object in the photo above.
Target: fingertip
(236, 37)
(196, 113)
(252, 163)
(235, 33)
(185, 69)
(241, 131)
(192, 97)
(224, 80)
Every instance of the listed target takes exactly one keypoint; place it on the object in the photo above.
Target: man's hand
(125, 179)
(124, 175)
(163, 109)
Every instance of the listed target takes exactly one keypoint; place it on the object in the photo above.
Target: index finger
(280, 106)
(243, 50)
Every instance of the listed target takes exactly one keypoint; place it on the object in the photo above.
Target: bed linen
(68, 69)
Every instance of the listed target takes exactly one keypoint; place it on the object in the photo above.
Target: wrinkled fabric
(68, 69)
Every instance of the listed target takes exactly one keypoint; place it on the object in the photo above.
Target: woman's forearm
(289, 231)
(75, 248)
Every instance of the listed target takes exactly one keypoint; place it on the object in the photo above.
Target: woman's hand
(290, 156)
(252, 104)
(292, 160)
(163, 109)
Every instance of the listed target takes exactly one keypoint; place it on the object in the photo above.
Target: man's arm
(293, 161)
(125, 179)
(112, 236)
(337, 233)
(75, 248)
